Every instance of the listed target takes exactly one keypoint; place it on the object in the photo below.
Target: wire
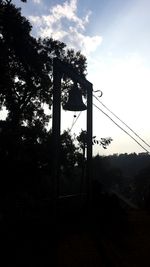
(120, 127)
(122, 122)
(74, 116)
(74, 121)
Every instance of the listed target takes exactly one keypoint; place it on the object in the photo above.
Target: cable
(121, 128)
(122, 122)
(74, 116)
(75, 121)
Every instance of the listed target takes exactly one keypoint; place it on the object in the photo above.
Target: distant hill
(130, 164)
(127, 174)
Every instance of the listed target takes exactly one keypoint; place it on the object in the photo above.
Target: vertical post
(56, 128)
(89, 145)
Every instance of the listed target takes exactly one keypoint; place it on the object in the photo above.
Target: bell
(75, 102)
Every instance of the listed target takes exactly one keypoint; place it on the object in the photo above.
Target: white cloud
(37, 1)
(67, 10)
(64, 24)
(84, 42)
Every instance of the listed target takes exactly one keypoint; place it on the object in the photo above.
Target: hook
(101, 93)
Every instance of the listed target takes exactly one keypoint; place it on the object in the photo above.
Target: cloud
(68, 10)
(64, 24)
(37, 1)
(86, 43)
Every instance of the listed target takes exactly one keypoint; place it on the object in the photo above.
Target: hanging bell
(75, 102)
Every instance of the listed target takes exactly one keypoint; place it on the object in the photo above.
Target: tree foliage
(82, 139)
(26, 84)
(26, 68)
(24, 76)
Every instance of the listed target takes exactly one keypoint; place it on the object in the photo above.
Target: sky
(114, 36)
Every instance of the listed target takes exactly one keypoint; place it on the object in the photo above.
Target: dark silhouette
(120, 184)
(25, 144)
(127, 174)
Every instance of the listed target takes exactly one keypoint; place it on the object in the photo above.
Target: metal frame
(60, 68)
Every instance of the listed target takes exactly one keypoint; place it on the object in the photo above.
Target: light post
(60, 68)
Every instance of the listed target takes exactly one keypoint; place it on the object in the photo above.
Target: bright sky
(114, 35)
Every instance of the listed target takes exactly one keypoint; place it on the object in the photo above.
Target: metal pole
(56, 129)
(89, 145)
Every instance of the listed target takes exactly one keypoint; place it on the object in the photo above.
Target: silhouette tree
(68, 152)
(82, 139)
(26, 68)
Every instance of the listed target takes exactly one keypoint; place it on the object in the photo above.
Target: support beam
(56, 126)
(89, 145)
(70, 72)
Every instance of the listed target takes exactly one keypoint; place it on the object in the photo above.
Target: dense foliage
(26, 67)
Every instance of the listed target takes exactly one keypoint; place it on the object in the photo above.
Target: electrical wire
(121, 128)
(122, 121)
